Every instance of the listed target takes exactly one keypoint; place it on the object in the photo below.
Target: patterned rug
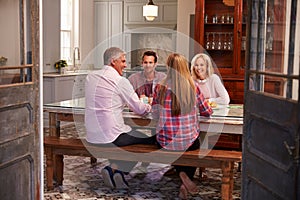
(84, 182)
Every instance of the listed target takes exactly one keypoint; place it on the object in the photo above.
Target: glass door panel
(276, 26)
(269, 45)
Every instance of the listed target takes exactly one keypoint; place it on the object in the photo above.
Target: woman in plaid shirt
(176, 103)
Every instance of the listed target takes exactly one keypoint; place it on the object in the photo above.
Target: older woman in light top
(210, 83)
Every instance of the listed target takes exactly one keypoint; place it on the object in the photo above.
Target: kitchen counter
(59, 87)
(69, 73)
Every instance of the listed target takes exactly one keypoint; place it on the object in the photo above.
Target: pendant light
(150, 11)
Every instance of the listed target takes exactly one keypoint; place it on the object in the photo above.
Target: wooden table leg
(93, 161)
(227, 180)
(49, 168)
(59, 169)
(54, 125)
(58, 165)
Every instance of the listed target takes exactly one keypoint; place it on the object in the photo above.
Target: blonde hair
(181, 84)
(210, 69)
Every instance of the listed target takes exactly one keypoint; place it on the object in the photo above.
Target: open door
(19, 104)
(270, 166)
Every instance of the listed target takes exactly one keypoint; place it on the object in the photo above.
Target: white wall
(184, 10)
(10, 32)
(51, 33)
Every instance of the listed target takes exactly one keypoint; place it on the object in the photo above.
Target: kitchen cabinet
(108, 27)
(63, 87)
(108, 23)
(220, 28)
(167, 13)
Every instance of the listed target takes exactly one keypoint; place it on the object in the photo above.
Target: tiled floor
(84, 182)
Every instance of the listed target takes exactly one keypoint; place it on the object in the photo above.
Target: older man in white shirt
(107, 92)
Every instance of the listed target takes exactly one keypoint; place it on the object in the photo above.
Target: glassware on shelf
(223, 19)
(225, 45)
(206, 19)
(269, 44)
(220, 41)
(207, 44)
(228, 19)
(215, 19)
(230, 44)
(213, 42)
(219, 44)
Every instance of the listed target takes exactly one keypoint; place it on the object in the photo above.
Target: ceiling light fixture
(150, 11)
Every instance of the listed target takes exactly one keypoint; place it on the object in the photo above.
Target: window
(69, 29)
(274, 49)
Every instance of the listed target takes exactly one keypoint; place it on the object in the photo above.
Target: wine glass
(219, 44)
(207, 45)
(225, 42)
(213, 42)
(230, 42)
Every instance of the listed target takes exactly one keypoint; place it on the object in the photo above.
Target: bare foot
(183, 193)
(188, 183)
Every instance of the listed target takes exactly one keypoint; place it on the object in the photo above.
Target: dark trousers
(190, 171)
(125, 139)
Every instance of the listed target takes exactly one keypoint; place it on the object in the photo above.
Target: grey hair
(112, 53)
(207, 60)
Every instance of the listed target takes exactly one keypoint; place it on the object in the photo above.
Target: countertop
(55, 74)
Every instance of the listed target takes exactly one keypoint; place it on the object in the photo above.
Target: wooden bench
(55, 148)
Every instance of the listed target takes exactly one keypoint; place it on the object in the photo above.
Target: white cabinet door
(108, 23)
(115, 23)
(101, 23)
(108, 28)
(79, 87)
(60, 88)
(167, 12)
(64, 88)
(133, 13)
(48, 90)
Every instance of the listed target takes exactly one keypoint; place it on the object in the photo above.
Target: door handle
(289, 148)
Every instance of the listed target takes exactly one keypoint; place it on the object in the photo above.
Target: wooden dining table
(223, 129)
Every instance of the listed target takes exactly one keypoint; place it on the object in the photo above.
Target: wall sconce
(150, 11)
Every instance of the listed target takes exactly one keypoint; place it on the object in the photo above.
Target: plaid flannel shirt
(178, 132)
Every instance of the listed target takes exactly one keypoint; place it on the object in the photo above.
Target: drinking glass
(213, 42)
(207, 45)
(206, 19)
(219, 44)
(225, 41)
(230, 41)
(228, 19)
(215, 19)
(223, 19)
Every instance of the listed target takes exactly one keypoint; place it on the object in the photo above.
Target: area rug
(82, 181)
